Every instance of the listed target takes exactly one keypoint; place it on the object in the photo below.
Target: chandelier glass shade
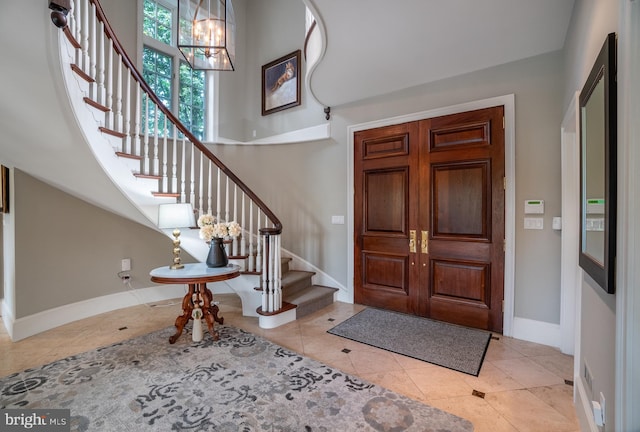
(206, 34)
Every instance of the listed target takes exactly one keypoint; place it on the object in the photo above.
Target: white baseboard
(584, 411)
(46, 320)
(537, 331)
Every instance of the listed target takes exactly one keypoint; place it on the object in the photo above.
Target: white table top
(193, 270)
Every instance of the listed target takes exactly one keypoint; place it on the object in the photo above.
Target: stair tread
(308, 294)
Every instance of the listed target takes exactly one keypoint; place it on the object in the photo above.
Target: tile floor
(523, 383)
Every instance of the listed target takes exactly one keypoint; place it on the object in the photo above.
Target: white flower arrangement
(210, 229)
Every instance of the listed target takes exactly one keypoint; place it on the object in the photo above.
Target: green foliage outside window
(156, 72)
(157, 22)
(192, 99)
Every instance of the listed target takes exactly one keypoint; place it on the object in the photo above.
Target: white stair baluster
(174, 162)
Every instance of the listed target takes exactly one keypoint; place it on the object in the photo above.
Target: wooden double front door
(429, 218)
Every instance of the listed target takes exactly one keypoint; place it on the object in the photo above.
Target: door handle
(424, 248)
(412, 241)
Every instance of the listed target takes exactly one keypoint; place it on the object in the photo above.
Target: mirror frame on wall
(597, 218)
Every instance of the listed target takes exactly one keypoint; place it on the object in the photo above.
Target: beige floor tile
(371, 361)
(509, 363)
(560, 364)
(491, 379)
(528, 413)
(398, 381)
(483, 416)
(527, 372)
(559, 397)
(498, 350)
(435, 382)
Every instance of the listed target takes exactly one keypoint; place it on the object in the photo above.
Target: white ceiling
(384, 46)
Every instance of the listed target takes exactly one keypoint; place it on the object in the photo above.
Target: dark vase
(217, 254)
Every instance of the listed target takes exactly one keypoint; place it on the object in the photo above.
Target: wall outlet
(126, 264)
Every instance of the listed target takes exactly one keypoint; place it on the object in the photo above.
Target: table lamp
(175, 216)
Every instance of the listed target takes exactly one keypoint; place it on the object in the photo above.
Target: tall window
(181, 89)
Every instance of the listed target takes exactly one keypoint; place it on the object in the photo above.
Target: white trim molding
(540, 332)
(508, 101)
(24, 327)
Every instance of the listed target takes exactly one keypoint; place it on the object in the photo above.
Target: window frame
(173, 51)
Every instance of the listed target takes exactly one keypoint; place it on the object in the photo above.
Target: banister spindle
(174, 161)
(118, 101)
(218, 196)
(192, 187)
(109, 85)
(165, 174)
(99, 96)
(183, 193)
(209, 188)
(146, 162)
(127, 113)
(93, 23)
(155, 166)
(137, 118)
(200, 183)
(85, 39)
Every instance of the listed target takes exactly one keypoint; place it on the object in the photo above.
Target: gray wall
(592, 20)
(308, 182)
(68, 250)
(267, 30)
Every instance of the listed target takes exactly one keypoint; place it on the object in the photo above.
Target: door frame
(508, 101)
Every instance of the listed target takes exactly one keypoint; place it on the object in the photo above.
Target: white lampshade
(178, 215)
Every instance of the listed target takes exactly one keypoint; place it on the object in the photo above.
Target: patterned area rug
(239, 383)
(448, 345)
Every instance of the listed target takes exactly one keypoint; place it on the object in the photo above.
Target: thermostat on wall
(534, 207)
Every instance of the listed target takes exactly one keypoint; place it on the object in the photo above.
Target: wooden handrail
(277, 228)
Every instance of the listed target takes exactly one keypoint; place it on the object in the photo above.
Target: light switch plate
(533, 223)
(337, 220)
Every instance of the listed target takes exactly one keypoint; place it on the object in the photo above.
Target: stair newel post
(277, 272)
(267, 300)
(201, 182)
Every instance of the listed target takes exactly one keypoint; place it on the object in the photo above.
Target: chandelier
(206, 34)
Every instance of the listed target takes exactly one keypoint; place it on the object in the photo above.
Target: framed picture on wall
(281, 83)
(4, 189)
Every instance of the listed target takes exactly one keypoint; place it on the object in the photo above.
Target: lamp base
(176, 266)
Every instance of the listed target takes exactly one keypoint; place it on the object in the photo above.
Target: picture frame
(4, 189)
(281, 83)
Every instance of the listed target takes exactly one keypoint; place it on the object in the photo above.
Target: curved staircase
(153, 159)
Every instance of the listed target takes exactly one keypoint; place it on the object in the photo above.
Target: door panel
(387, 180)
(441, 179)
(460, 200)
